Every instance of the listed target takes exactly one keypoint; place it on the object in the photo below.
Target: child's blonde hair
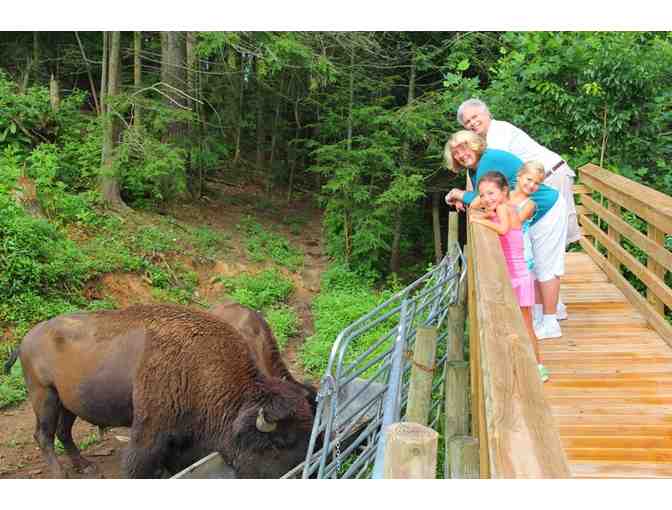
(535, 167)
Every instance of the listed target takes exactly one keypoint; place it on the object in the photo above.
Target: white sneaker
(561, 312)
(548, 329)
(537, 314)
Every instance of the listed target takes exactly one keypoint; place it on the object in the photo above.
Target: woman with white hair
(548, 229)
(475, 116)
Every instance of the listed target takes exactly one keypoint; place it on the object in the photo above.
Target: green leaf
(463, 65)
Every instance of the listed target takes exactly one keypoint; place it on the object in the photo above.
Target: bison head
(272, 430)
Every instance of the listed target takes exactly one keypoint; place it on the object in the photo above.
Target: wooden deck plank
(590, 294)
(610, 390)
(606, 469)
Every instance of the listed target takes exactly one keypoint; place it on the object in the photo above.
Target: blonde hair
(535, 167)
(475, 142)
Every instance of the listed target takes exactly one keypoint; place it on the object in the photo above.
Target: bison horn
(262, 424)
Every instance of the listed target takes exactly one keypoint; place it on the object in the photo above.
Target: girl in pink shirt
(507, 220)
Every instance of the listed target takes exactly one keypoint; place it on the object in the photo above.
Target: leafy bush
(38, 264)
(283, 322)
(208, 242)
(150, 170)
(262, 245)
(12, 389)
(259, 291)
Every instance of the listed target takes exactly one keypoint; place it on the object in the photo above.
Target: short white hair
(473, 102)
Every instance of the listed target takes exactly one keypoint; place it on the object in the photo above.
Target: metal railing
(361, 394)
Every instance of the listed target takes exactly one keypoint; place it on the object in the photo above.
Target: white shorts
(548, 237)
(563, 181)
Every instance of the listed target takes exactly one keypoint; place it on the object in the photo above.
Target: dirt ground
(20, 456)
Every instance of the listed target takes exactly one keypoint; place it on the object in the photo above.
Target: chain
(338, 454)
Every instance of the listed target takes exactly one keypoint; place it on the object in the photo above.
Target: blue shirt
(508, 164)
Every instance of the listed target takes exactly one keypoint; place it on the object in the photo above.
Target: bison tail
(12, 359)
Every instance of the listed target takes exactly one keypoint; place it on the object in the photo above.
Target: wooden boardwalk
(610, 390)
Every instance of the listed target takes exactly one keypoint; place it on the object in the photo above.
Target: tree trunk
(174, 78)
(25, 194)
(32, 63)
(54, 93)
(395, 256)
(103, 73)
(352, 99)
(274, 136)
(193, 71)
(293, 149)
(87, 64)
(110, 188)
(137, 75)
(260, 117)
(239, 117)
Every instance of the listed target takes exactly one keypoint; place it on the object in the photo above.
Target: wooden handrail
(655, 209)
(511, 417)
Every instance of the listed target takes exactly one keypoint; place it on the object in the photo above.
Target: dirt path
(19, 455)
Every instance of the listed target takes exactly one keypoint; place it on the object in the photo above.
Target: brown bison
(184, 381)
(257, 333)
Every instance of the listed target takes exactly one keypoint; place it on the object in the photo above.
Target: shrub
(283, 322)
(259, 291)
(12, 389)
(262, 245)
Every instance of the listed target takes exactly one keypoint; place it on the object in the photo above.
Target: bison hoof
(90, 470)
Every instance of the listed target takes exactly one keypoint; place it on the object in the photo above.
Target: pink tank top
(513, 249)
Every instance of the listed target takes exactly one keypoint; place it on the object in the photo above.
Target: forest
(97, 125)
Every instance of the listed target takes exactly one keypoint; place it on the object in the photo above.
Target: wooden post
(464, 457)
(613, 234)
(658, 237)
(456, 312)
(436, 224)
(410, 451)
(422, 371)
(453, 233)
(457, 406)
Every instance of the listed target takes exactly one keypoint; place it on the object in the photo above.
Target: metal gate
(360, 396)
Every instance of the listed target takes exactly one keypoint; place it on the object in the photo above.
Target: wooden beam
(410, 451)
(658, 239)
(652, 245)
(649, 204)
(456, 406)
(656, 320)
(523, 441)
(653, 282)
(463, 457)
(422, 372)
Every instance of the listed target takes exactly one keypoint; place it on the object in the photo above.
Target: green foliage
(283, 322)
(259, 291)
(91, 439)
(208, 243)
(150, 170)
(345, 297)
(39, 266)
(574, 91)
(262, 245)
(12, 388)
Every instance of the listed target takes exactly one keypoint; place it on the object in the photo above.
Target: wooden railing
(510, 416)
(605, 200)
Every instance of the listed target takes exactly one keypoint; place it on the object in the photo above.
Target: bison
(182, 380)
